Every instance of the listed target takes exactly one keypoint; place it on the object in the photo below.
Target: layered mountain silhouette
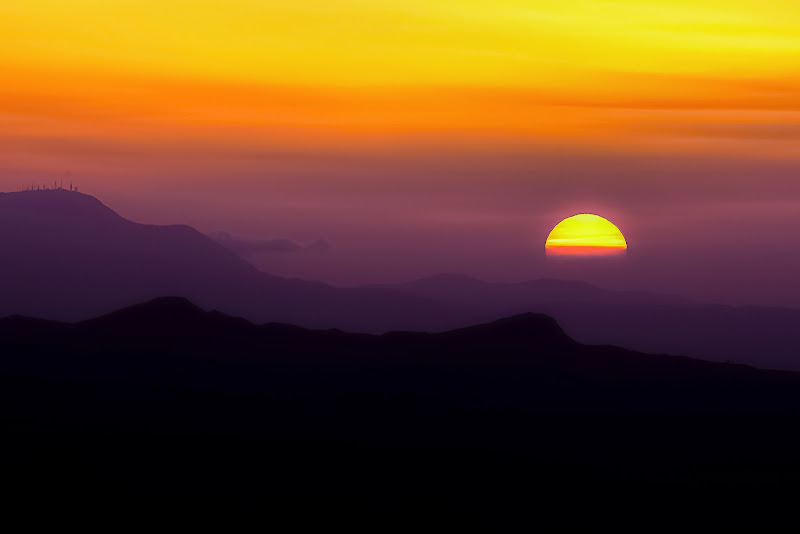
(170, 337)
(66, 256)
(650, 322)
(510, 425)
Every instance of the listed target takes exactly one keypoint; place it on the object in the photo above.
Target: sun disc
(585, 234)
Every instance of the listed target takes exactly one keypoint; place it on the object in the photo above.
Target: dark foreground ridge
(508, 426)
(648, 322)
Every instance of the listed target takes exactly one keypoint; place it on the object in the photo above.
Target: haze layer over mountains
(68, 257)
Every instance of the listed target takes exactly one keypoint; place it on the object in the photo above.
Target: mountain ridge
(164, 402)
(640, 320)
(159, 320)
(69, 257)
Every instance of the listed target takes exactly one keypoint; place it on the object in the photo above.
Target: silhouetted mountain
(650, 322)
(66, 256)
(142, 337)
(163, 408)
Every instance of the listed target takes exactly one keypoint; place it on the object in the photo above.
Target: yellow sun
(585, 235)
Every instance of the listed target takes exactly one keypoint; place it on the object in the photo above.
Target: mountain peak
(159, 313)
(523, 330)
(50, 195)
(525, 323)
(54, 204)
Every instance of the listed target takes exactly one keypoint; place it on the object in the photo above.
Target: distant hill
(650, 322)
(66, 256)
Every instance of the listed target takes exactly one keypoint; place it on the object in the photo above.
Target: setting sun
(585, 235)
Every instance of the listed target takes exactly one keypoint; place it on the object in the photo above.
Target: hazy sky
(418, 137)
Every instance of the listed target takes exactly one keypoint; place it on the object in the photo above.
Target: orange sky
(424, 136)
(636, 75)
